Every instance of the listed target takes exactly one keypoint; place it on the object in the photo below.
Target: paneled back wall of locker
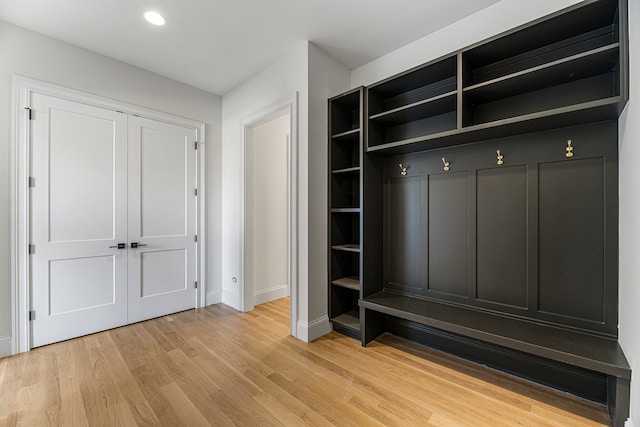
(530, 231)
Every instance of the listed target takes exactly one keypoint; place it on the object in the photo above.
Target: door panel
(162, 218)
(81, 171)
(163, 272)
(81, 283)
(78, 210)
(163, 166)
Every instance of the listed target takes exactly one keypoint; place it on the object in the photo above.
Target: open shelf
(580, 66)
(352, 170)
(350, 282)
(345, 210)
(414, 86)
(349, 320)
(579, 28)
(348, 247)
(344, 115)
(350, 134)
(434, 106)
(345, 191)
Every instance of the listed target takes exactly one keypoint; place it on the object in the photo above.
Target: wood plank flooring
(215, 366)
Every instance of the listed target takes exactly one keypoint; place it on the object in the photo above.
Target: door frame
(290, 105)
(20, 170)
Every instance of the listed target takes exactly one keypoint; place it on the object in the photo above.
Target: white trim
(308, 332)
(230, 298)
(271, 294)
(245, 299)
(23, 88)
(201, 222)
(628, 423)
(214, 297)
(6, 346)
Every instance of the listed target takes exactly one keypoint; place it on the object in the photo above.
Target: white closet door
(162, 219)
(78, 213)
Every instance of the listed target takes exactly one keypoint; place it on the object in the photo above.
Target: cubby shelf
(347, 135)
(349, 320)
(350, 282)
(429, 107)
(353, 170)
(345, 210)
(348, 247)
(576, 67)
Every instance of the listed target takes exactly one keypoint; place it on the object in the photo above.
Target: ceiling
(216, 44)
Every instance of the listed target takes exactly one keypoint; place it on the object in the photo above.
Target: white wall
(277, 82)
(269, 209)
(503, 16)
(32, 55)
(629, 156)
(314, 76)
(495, 19)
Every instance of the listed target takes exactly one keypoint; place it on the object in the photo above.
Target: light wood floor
(215, 366)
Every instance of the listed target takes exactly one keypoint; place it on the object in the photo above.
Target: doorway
(267, 207)
(269, 262)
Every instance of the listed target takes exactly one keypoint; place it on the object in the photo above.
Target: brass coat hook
(500, 157)
(403, 169)
(569, 149)
(446, 164)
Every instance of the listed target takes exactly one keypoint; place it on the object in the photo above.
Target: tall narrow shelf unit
(488, 203)
(345, 154)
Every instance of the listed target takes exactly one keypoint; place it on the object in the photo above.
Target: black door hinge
(32, 315)
(196, 285)
(31, 181)
(195, 238)
(29, 113)
(31, 249)
(195, 145)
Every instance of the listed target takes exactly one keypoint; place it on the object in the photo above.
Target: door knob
(137, 245)
(119, 246)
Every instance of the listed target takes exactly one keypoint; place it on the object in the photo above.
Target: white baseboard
(5, 346)
(271, 294)
(628, 423)
(214, 297)
(231, 299)
(308, 332)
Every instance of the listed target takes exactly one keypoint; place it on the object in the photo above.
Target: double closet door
(113, 219)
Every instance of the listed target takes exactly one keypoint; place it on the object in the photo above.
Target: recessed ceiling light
(154, 17)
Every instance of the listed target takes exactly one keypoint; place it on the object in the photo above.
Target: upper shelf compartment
(567, 60)
(565, 69)
(582, 29)
(419, 102)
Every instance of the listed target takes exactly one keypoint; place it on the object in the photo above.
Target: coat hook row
(499, 156)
